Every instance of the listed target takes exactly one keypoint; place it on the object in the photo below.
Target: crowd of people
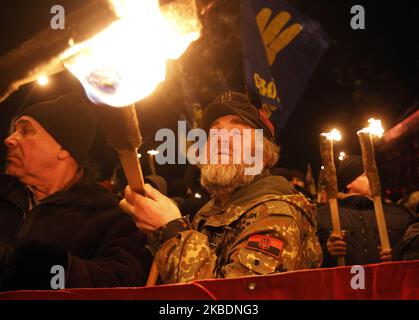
(218, 222)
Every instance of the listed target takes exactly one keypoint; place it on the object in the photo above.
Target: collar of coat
(411, 233)
(355, 201)
(86, 193)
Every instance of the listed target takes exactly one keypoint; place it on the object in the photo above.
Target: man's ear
(63, 154)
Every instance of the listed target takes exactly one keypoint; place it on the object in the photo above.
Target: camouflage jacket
(265, 228)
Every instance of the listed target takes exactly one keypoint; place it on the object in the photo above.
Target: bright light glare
(153, 152)
(43, 80)
(375, 128)
(333, 135)
(125, 62)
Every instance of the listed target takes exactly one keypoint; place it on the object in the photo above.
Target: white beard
(221, 180)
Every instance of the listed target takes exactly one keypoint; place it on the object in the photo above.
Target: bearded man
(255, 224)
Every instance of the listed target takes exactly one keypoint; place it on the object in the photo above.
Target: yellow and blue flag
(281, 48)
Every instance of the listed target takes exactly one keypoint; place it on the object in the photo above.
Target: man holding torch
(359, 242)
(254, 224)
(53, 213)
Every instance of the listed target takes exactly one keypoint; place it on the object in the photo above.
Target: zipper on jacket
(27, 222)
(19, 227)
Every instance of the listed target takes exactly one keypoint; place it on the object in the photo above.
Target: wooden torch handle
(329, 172)
(326, 152)
(132, 169)
(336, 223)
(370, 167)
(381, 223)
(151, 164)
(153, 275)
(123, 132)
(368, 161)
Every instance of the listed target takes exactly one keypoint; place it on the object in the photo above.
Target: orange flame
(333, 135)
(153, 152)
(125, 62)
(375, 128)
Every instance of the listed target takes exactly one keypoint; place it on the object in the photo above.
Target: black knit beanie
(349, 169)
(70, 120)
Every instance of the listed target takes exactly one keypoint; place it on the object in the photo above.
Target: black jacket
(409, 246)
(81, 229)
(357, 218)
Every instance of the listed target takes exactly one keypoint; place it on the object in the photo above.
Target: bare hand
(151, 212)
(336, 245)
(385, 254)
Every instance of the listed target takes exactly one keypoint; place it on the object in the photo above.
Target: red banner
(394, 280)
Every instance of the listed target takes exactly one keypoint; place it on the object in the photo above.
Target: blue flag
(281, 48)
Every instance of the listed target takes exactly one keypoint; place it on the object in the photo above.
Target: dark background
(365, 73)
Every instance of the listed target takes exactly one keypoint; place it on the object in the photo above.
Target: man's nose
(10, 141)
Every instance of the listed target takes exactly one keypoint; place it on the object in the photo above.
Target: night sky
(364, 73)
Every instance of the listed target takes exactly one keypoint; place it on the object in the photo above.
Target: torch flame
(125, 62)
(43, 80)
(375, 128)
(333, 135)
(153, 152)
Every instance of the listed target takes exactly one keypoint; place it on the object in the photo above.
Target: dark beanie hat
(349, 169)
(235, 103)
(70, 120)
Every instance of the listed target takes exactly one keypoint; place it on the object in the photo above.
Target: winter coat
(358, 222)
(409, 246)
(81, 229)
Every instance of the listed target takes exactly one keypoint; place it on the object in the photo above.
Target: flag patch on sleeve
(266, 244)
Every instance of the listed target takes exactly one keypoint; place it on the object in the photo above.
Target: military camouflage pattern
(216, 247)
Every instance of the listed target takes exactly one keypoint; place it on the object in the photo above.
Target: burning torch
(151, 160)
(368, 159)
(329, 175)
(118, 50)
(117, 69)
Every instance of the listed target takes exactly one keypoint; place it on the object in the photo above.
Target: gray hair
(270, 153)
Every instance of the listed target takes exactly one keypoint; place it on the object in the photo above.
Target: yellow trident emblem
(274, 37)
